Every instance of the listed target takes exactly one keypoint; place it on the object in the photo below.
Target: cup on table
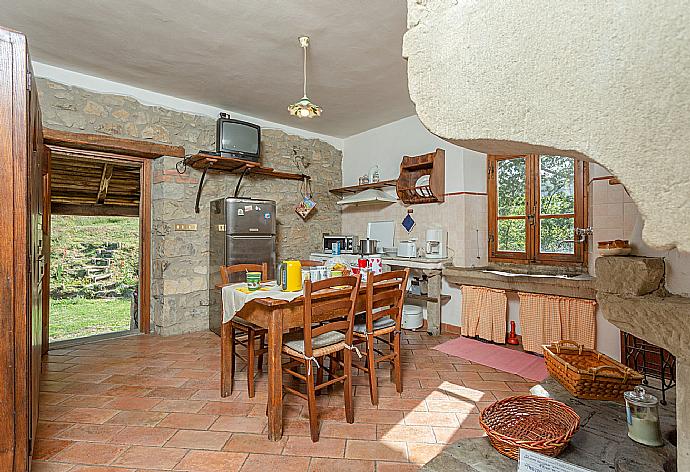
(306, 275)
(253, 281)
(362, 263)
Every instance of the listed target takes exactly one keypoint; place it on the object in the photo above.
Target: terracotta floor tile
(211, 461)
(83, 388)
(404, 404)
(376, 450)
(213, 395)
(40, 466)
(396, 467)
(99, 468)
(320, 464)
(143, 436)
(88, 415)
(304, 446)
(192, 439)
(230, 409)
(87, 401)
(51, 413)
(380, 417)
(256, 443)
(331, 429)
(179, 406)
(401, 432)
(133, 403)
(422, 453)
(172, 393)
(239, 424)
(188, 421)
(48, 429)
(488, 385)
(137, 418)
(452, 406)
(268, 462)
(89, 453)
(90, 432)
(129, 391)
(143, 457)
(47, 448)
(53, 398)
(501, 376)
(419, 418)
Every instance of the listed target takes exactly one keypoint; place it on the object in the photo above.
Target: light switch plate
(185, 227)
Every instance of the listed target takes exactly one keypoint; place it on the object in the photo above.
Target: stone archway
(607, 81)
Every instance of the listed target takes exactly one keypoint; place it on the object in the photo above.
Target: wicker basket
(539, 424)
(587, 373)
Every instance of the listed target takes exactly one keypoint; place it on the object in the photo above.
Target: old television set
(238, 139)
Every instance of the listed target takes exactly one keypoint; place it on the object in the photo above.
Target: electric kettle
(289, 276)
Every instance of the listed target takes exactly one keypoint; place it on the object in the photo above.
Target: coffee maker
(436, 243)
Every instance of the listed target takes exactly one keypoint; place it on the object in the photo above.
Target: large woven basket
(587, 373)
(539, 424)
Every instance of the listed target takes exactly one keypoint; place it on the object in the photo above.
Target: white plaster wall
(462, 215)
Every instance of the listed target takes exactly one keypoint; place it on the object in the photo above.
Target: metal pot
(367, 246)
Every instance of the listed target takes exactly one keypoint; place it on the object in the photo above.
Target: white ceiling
(240, 55)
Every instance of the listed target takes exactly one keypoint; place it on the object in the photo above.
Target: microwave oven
(348, 244)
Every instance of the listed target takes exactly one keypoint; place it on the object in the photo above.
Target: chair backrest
(386, 295)
(329, 299)
(226, 271)
(308, 263)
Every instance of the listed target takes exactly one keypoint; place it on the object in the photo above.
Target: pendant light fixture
(304, 108)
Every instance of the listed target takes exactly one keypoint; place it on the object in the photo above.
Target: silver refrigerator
(243, 231)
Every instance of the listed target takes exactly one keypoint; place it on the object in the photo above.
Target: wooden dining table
(278, 316)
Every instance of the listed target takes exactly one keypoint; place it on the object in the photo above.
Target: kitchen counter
(415, 262)
(575, 286)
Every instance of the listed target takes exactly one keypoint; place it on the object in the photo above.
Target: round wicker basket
(539, 424)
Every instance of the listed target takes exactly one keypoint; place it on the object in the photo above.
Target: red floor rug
(507, 360)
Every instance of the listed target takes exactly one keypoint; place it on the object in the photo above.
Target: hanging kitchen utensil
(307, 205)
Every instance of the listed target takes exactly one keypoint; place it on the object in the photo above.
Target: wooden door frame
(145, 202)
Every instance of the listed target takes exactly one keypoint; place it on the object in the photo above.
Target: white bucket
(412, 317)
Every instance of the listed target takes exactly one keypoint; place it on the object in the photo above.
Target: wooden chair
(385, 299)
(330, 299)
(250, 331)
(308, 263)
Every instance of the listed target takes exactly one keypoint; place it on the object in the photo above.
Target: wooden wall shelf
(231, 165)
(359, 188)
(412, 168)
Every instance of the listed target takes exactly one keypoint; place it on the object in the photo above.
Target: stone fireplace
(605, 81)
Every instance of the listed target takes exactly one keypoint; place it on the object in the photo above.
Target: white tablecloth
(234, 299)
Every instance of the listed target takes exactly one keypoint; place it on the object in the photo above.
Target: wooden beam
(112, 144)
(105, 181)
(87, 209)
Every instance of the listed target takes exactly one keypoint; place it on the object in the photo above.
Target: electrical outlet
(185, 227)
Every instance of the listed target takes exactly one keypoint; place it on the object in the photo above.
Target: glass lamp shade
(304, 109)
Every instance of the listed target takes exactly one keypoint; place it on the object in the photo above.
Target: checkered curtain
(545, 319)
(484, 313)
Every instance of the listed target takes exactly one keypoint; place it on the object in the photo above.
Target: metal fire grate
(651, 361)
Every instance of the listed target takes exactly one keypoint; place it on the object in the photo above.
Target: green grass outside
(78, 317)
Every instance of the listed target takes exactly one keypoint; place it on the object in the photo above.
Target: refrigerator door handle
(253, 236)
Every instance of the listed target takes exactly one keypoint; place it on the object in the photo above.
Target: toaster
(407, 249)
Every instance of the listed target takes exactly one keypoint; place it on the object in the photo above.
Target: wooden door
(21, 253)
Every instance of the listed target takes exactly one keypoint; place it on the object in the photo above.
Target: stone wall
(180, 259)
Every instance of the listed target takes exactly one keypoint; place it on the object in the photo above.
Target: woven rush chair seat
(241, 322)
(322, 345)
(379, 325)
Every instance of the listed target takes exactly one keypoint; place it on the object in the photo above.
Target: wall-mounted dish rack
(422, 178)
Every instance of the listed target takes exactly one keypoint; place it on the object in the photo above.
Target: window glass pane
(557, 185)
(511, 186)
(552, 233)
(511, 235)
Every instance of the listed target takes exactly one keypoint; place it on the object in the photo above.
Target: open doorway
(99, 245)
